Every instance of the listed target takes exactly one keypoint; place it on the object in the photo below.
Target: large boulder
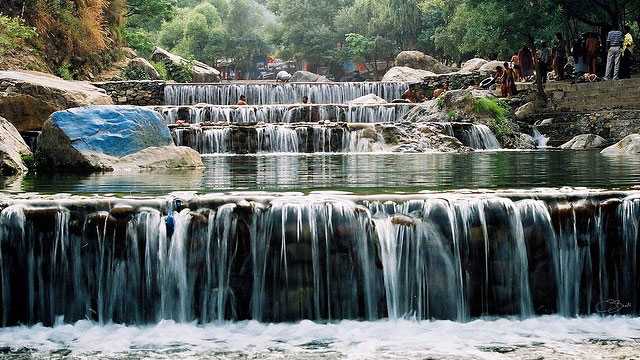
(526, 110)
(371, 99)
(627, 146)
(143, 69)
(307, 76)
(406, 74)
(473, 65)
(12, 149)
(491, 66)
(200, 72)
(421, 61)
(28, 98)
(107, 138)
(585, 142)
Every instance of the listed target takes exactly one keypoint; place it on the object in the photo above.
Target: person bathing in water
(242, 101)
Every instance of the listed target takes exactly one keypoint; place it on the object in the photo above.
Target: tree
(405, 17)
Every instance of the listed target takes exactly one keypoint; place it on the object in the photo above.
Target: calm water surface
(358, 173)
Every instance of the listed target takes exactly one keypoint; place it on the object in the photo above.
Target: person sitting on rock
(242, 101)
(439, 91)
(409, 95)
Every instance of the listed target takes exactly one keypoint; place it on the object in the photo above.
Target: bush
(14, 33)
(499, 112)
(134, 73)
(180, 73)
(161, 69)
(29, 162)
(139, 40)
(64, 71)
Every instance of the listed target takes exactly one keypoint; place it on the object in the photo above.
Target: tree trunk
(541, 98)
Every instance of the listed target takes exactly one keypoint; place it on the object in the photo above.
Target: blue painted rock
(97, 138)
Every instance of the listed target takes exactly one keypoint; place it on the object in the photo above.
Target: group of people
(418, 95)
(554, 62)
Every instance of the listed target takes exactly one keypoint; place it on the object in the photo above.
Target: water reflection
(365, 173)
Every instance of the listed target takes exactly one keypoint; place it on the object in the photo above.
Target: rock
(473, 65)
(525, 110)
(283, 76)
(12, 149)
(370, 99)
(406, 74)
(28, 98)
(404, 220)
(627, 146)
(524, 142)
(105, 138)
(200, 72)
(129, 53)
(306, 76)
(421, 61)
(143, 66)
(585, 142)
(166, 157)
(491, 66)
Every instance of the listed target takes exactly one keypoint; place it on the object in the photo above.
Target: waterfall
(279, 114)
(479, 136)
(277, 139)
(362, 141)
(312, 257)
(541, 140)
(267, 94)
(271, 138)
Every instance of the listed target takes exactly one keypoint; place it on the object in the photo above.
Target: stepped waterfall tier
(267, 94)
(274, 114)
(313, 138)
(281, 258)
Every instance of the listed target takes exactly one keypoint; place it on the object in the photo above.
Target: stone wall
(610, 109)
(612, 125)
(585, 97)
(143, 93)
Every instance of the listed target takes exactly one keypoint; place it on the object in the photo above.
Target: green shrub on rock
(14, 33)
(498, 111)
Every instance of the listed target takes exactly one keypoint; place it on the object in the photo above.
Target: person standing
(525, 59)
(627, 54)
(559, 56)
(544, 57)
(615, 40)
(592, 47)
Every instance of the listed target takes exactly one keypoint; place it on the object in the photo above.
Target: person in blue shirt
(615, 40)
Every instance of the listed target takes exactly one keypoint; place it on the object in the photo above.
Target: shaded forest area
(80, 38)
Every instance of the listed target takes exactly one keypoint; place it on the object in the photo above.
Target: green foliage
(359, 46)
(29, 162)
(14, 32)
(64, 71)
(149, 14)
(181, 73)
(161, 69)
(134, 73)
(140, 40)
(498, 111)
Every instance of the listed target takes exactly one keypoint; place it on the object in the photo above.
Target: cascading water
(278, 114)
(267, 94)
(455, 257)
(268, 138)
(479, 136)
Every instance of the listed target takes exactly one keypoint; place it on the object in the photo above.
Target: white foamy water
(547, 336)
